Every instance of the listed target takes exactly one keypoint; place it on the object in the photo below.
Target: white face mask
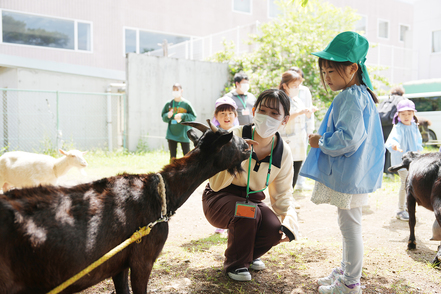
(176, 94)
(293, 92)
(244, 87)
(266, 126)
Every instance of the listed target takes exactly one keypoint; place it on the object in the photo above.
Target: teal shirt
(176, 131)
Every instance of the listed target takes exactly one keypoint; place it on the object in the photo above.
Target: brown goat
(423, 186)
(48, 234)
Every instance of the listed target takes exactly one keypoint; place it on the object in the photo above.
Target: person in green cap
(347, 155)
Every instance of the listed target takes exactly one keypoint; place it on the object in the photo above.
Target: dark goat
(423, 186)
(48, 234)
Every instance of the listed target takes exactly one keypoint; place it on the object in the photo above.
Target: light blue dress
(408, 138)
(350, 157)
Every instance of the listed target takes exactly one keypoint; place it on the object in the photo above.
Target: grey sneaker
(339, 287)
(240, 274)
(329, 280)
(257, 265)
(403, 215)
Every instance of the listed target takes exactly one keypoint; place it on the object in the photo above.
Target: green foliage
(288, 41)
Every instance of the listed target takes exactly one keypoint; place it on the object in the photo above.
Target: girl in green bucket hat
(347, 155)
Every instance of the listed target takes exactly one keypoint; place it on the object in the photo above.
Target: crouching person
(253, 227)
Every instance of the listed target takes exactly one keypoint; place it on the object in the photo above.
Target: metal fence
(38, 121)
(204, 47)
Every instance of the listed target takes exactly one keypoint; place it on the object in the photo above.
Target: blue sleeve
(393, 139)
(419, 140)
(349, 131)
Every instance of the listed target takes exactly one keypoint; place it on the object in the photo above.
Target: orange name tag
(247, 210)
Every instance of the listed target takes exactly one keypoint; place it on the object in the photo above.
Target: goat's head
(407, 159)
(222, 149)
(75, 158)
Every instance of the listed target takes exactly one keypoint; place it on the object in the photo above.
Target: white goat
(23, 169)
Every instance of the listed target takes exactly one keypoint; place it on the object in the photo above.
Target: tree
(289, 41)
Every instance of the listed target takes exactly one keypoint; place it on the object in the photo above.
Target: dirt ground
(191, 261)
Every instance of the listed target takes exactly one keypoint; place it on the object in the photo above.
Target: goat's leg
(436, 204)
(143, 257)
(121, 282)
(411, 204)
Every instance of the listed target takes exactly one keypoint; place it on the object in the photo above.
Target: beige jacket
(280, 182)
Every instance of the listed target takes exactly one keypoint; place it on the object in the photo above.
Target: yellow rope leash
(136, 237)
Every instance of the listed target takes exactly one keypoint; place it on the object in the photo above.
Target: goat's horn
(196, 125)
(213, 128)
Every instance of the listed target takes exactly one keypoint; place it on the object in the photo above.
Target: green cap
(348, 46)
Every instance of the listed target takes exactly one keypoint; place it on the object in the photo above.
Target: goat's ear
(84, 152)
(193, 136)
(223, 139)
(62, 151)
(395, 168)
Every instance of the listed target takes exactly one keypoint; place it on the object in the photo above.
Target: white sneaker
(329, 280)
(257, 265)
(339, 287)
(403, 215)
(240, 274)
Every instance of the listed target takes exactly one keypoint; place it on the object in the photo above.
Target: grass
(195, 266)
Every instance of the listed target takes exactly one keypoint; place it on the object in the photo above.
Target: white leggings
(349, 221)
(402, 193)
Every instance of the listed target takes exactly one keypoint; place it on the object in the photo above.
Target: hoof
(411, 245)
(436, 261)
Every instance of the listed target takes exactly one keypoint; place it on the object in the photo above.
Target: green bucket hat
(348, 46)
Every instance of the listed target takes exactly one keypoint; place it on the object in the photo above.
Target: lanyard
(249, 169)
(177, 107)
(243, 103)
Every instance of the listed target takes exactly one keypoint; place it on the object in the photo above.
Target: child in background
(347, 155)
(225, 113)
(174, 112)
(225, 116)
(404, 137)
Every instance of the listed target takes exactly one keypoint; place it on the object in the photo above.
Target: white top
(306, 97)
(294, 133)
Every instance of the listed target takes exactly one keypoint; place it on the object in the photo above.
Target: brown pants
(248, 239)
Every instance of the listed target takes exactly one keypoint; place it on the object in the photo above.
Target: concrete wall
(427, 20)
(150, 80)
(29, 116)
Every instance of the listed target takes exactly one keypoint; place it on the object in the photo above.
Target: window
(423, 104)
(130, 41)
(383, 29)
(436, 41)
(35, 30)
(243, 6)
(404, 30)
(273, 9)
(361, 25)
(138, 41)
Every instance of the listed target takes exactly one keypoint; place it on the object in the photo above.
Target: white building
(91, 38)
